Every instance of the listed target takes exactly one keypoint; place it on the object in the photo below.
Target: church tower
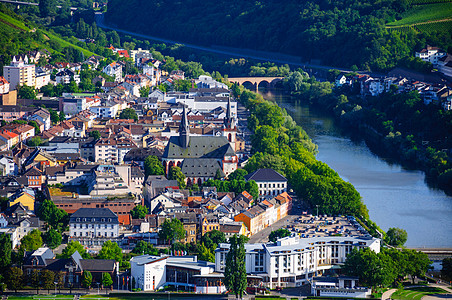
(184, 131)
(229, 121)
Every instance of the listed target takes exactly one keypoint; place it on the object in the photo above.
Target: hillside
(337, 32)
(19, 36)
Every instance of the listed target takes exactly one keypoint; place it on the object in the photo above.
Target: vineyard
(435, 26)
(424, 13)
(423, 2)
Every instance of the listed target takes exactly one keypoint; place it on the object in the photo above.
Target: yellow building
(25, 197)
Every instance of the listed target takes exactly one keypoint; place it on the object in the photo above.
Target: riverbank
(395, 196)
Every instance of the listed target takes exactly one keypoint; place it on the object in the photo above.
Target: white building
(65, 77)
(431, 54)
(115, 70)
(7, 166)
(269, 182)
(342, 287)
(205, 81)
(152, 273)
(20, 73)
(293, 261)
(4, 85)
(93, 226)
(105, 110)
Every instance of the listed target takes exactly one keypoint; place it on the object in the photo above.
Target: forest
(334, 32)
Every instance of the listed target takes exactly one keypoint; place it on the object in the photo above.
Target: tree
(14, 279)
(182, 85)
(212, 238)
(153, 166)
(5, 250)
(110, 250)
(26, 92)
(54, 116)
(34, 141)
(175, 173)
(205, 254)
(396, 237)
(52, 238)
(144, 91)
(61, 116)
(47, 8)
(172, 230)
(252, 188)
(143, 247)
(235, 271)
(35, 125)
(48, 279)
(95, 134)
(70, 249)
(60, 278)
(279, 233)
(87, 279)
(238, 174)
(106, 280)
(446, 271)
(34, 279)
(129, 113)
(55, 217)
(32, 241)
(139, 212)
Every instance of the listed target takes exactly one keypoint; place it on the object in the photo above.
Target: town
(139, 185)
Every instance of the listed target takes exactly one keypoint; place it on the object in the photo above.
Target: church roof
(199, 147)
(201, 167)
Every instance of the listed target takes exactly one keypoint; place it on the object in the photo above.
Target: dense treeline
(280, 144)
(343, 33)
(399, 125)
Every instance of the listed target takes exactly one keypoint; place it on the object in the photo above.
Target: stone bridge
(268, 82)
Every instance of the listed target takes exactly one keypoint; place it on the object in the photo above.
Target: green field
(436, 26)
(13, 22)
(425, 13)
(416, 293)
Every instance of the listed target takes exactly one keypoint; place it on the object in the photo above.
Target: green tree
(34, 141)
(52, 238)
(396, 237)
(182, 85)
(172, 230)
(47, 8)
(153, 166)
(110, 250)
(95, 134)
(106, 280)
(61, 116)
(238, 174)
(252, 188)
(5, 250)
(205, 254)
(446, 271)
(47, 279)
(71, 247)
(279, 233)
(139, 212)
(26, 92)
(36, 126)
(235, 271)
(87, 279)
(14, 279)
(144, 247)
(34, 279)
(32, 241)
(175, 173)
(144, 91)
(55, 217)
(129, 113)
(212, 238)
(54, 116)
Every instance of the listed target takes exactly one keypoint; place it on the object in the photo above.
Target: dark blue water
(395, 197)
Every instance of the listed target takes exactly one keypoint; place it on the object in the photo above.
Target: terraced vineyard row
(435, 26)
(422, 2)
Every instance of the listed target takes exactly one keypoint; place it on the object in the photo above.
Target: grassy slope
(14, 24)
(425, 13)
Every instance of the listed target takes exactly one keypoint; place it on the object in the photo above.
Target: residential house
(115, 70)
(269, 182)
(66, 76)
(431, 54)
(25, 196)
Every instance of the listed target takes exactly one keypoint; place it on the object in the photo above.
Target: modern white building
(65, 77)
(184, 272)
(20, 73)
(93, 226)
(342, 287)
(431, 54)
(269, 182)
(294, 261)
(105, 110)
(115, 70)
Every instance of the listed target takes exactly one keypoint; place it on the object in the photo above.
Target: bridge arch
(257, 81)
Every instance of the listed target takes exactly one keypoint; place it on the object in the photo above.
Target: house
(72, 268)
(162, 202)
(233, 228)
(10, 138)
(293, 261)
(7, 165)
(431, 54)
(25, 196)
(42, 115)
(34, 178)
(341, 80)
(115, 70)
(66, 76)
(92, 227)
(269, 182)
(4, 85)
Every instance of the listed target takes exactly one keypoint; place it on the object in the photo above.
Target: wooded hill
(338, 32)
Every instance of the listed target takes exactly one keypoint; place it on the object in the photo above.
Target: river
(395, 197)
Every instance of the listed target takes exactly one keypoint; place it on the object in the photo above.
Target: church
(200, 157)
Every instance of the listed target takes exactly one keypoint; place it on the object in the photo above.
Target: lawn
(44, 297)
(424, 13)
(65, 43)
(416, 293)
(13, 21)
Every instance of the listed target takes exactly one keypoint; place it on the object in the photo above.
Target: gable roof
(199, 147)
(93, 212)
(204, 167)
(265, 175)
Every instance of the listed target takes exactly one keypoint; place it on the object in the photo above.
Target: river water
(395, 197)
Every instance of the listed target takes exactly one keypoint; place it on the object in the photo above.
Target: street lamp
(55, 283)
(98, 287)
(317, 206)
